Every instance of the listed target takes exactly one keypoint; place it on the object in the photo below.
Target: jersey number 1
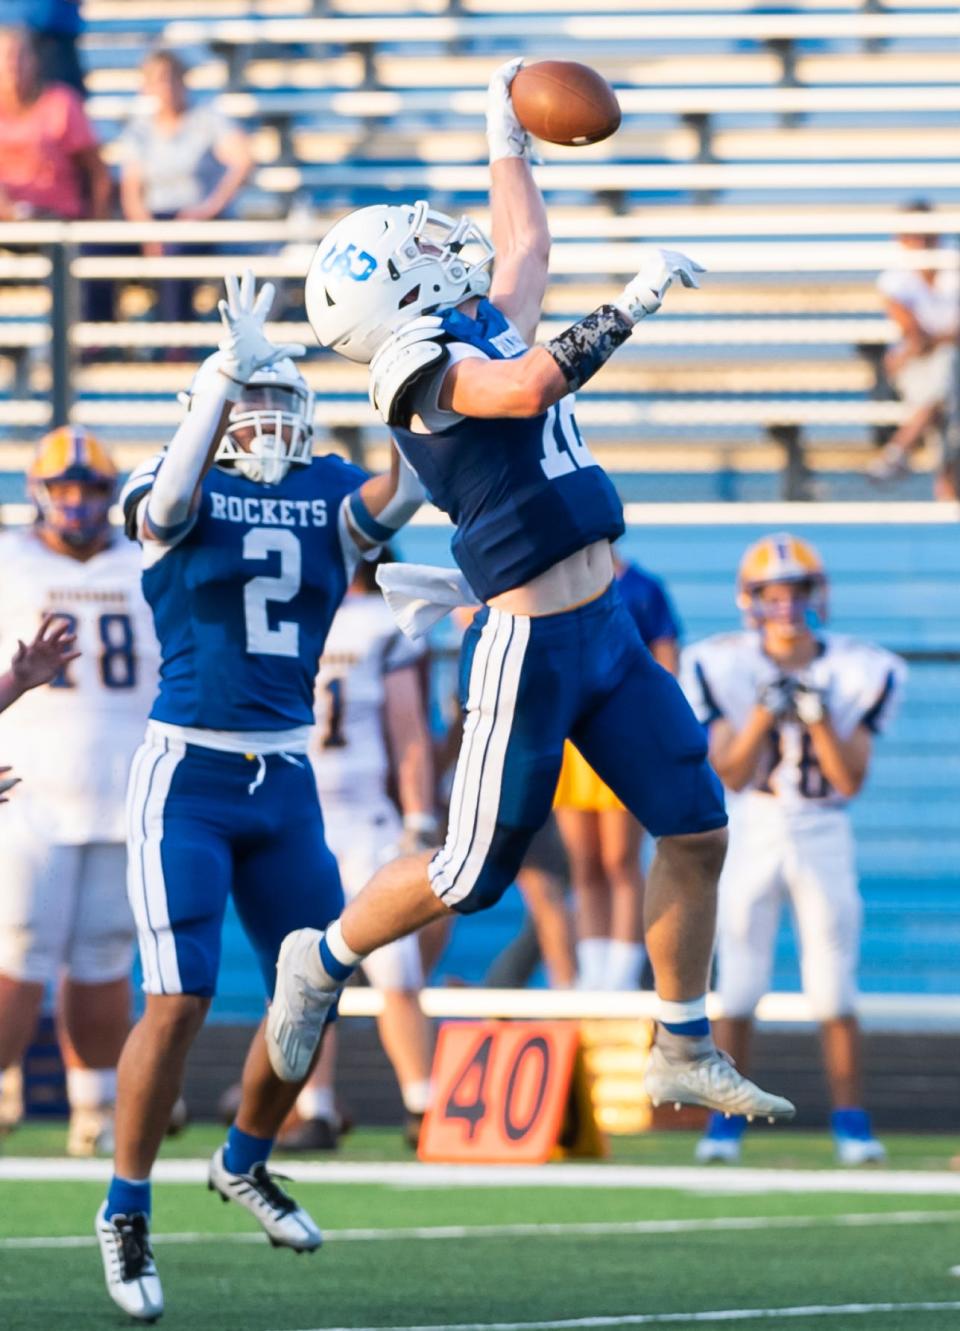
(284, 639)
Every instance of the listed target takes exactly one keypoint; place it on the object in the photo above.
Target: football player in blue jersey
(487, 423)
(249, 544)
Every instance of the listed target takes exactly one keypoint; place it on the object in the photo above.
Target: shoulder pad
(138, 483)
(401, 363)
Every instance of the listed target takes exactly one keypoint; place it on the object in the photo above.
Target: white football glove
(777, 697)
(7, 783)
(644, 294)
(809, 704)
(506, 137)
(245, 348)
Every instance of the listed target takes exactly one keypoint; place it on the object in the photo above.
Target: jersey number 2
(284, 639)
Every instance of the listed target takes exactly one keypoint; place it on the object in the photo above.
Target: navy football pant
(527, 684)
(203, 825)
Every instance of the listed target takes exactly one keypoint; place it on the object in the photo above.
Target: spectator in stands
(55, 26)
(601, 837)
(50, 164)
(179, 162)
(925, 305)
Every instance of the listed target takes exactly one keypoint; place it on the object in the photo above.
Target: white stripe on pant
(492, 699)
(150, 779)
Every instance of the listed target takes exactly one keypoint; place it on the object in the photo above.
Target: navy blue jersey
(523, 494)
(646, 599)
(243, 603)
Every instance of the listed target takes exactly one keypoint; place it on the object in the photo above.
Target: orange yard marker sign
(509, 1092)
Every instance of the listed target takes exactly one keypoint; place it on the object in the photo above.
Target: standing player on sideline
(370, 714)
(601, 837)
(488, 426)
(792, 713)
(63, 904)
(248, 546)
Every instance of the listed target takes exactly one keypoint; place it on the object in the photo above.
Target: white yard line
(678, 1319)
(682, 1178)
(576, 1229)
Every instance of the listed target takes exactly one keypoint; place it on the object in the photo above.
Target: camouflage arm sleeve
(582, 348)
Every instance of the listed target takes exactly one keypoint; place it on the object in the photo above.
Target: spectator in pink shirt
(50, 164)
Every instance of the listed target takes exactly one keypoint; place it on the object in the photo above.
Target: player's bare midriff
(571, 582)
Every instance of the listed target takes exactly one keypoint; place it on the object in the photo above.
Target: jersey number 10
(563, 448)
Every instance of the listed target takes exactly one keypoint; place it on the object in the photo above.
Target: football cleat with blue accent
(286, 1224)
(299, 1010)
(710, 1079)
(128, 1265)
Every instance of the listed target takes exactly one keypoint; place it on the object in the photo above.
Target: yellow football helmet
(781, 558)
(72, 480)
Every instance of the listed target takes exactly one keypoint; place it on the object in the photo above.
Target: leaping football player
(792, 711)
(487, 423)
(248, 545)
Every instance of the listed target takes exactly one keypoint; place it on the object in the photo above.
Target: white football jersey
(71, 741)
(723, 675)
(348, 748)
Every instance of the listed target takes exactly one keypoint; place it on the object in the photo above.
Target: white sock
(91, 1088)
(330, 964)
(592, 963)
(317, 1102)
(416, 1096)
(679, 1014)
(624, 965)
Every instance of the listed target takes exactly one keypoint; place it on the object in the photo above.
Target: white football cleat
(710, 1080)
(298, 1013)
(90, 1132)
(287, 1225)
(853, 1151)
(717, 1151)
(132, 1280)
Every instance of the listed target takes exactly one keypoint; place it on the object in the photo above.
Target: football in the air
(565, 102)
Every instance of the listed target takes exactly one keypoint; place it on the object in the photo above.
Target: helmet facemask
(269, 430)
(77, 524)
(803, 612)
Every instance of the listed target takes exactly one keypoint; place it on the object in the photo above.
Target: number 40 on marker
(509, 1091)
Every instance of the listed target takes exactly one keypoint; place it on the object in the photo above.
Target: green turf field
(805, 1251)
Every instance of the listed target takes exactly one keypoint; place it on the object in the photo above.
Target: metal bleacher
(776, 145)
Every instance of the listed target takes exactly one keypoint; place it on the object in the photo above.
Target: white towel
(419, 595)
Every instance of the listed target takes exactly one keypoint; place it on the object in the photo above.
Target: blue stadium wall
(896, 584)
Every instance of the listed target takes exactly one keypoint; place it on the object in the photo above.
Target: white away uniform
(349, 755)
(790, 835)
(62, 853)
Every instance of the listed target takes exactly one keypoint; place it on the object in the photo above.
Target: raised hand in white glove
(245, 347)
(644, 294)
(506, 137)
(809, 704)
(776, 697)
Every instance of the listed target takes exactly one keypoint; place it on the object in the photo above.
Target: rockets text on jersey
(243, 602)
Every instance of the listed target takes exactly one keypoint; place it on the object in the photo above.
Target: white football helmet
(270, 427)
(381, 266)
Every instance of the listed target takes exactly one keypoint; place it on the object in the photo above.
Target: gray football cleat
(299, 1010)
(131, 1275)
(712, 1080)
(287, 1225)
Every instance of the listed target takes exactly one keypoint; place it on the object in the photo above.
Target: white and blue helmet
(270, 426)
(379, 267)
